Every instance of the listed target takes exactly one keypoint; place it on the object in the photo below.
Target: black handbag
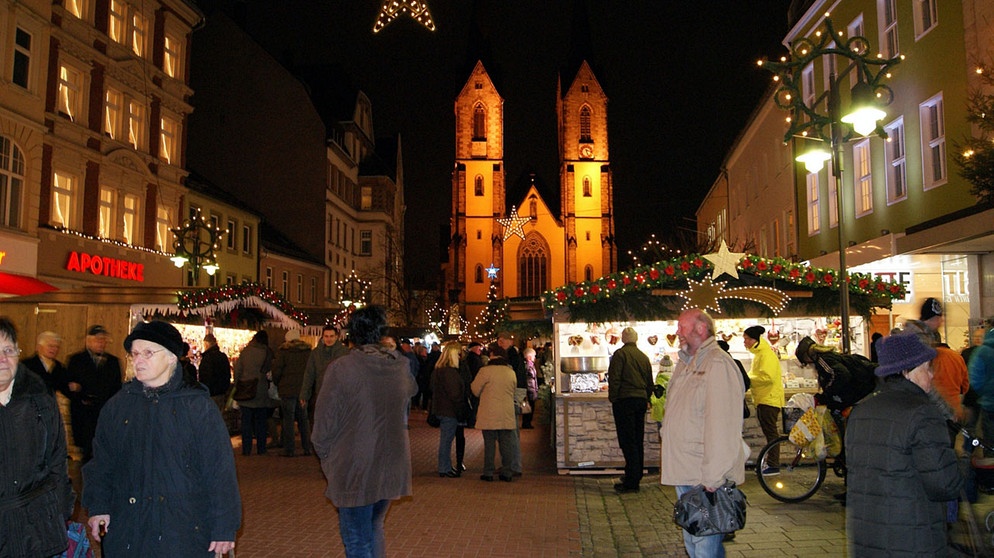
(702, 513)
(245, 389)
(434, 421)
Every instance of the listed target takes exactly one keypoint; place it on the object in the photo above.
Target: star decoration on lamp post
(393, 8)
(724, 261)
(492, 271)
(513, 224)
(352, 291)
(195, 242)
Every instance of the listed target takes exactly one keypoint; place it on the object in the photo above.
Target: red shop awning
(21, 285)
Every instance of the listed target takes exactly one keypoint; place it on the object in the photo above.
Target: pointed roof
(518, 192)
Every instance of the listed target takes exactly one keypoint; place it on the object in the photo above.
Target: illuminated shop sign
(81, 262)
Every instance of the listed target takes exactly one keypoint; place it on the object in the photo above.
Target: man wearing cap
(215, 371)
(766, 381)
(162, 480)
(931, 316)
(93, 377)
(474, 358)
(901, 467)
(288, 375)
(629, 382)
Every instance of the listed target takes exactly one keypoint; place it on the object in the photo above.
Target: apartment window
(129, 218)
(286, 283)
(366, 198)
(314, 291)
(22, 57)
(76, 8)
(171, 56)
(139, 32)
(106, 213)
(269, 278)
(116, 26)
(926, 16)
(11, 182)
(933, 142)
(136, 124)
(814, 223)
(887, 15)
(788, 219)
(478, 276)
(247, 239)
(63, 199)
(300, 288)
(897, 173)
(229, 279)
(230, 234)
(112, 114)
(168, 140)
(855, 29)
(585, 124)
(365, 243)
(808, 85)
(587, 188)
(478, 185)
(862, 177)
(163, 222)
(69, 91)
(777, 240)
(479, 123)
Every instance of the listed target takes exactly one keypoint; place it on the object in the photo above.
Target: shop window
(933, 143)
(64, 191)
(897, 171)
(112, 113)
(11, 182)
(69, 94)
(22, 58)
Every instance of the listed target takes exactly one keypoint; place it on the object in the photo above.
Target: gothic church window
(478, 185)
(533, 266)
(479, 123)
(585, 124)
(587, 188)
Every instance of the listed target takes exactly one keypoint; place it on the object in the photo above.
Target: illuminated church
(532, 247)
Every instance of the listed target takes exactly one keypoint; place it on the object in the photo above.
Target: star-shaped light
(492, 271)
(393, 8)
(513, 224)
(703, 294)
(724, 261)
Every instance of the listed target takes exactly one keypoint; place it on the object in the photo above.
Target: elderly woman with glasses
(162, 479)
(36, 496)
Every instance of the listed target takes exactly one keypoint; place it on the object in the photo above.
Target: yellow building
(534, 248)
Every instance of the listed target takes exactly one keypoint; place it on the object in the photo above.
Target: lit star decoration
(513, 224)
(393, 8)
(705, 295)
(724, 261)
(492, 271)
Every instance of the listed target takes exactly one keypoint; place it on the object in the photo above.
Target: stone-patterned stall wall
(586, 437)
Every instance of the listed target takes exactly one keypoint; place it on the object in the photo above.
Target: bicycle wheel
(800, 476)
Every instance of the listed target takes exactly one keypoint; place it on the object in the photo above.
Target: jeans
(446, 433)
(629, 422)
(254, 426)
(701, 547)
(510, 451)
(290, 411)
(362, 530)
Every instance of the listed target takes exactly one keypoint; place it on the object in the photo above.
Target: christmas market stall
(739, 290)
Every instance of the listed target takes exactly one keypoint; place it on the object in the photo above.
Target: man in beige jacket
(702, 427)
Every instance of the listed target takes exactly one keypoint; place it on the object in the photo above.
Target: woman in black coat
(36, 497)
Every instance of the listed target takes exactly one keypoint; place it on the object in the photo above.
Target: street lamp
(821, 118)
(195, 243)
(352, 291)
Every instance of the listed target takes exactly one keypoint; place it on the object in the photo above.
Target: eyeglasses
(146, 354)
(11, 351)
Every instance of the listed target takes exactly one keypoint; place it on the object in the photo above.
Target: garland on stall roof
(673, 273)
(212, 296)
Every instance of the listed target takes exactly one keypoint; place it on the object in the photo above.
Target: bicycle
(801, 472)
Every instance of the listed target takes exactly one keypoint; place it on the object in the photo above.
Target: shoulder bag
(702, 513)
(245, 389)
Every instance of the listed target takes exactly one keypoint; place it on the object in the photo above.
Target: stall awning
(22, 285)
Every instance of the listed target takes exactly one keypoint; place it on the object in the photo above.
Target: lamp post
(195, 243)
(821, 118)
(352, 291)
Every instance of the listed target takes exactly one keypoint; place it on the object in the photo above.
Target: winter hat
(629, 335)
(292, 335)
(756, 332)
(898, 353)
(474, 345)
(97, 330)
(801, 352)
(931, 308)
(160, 333)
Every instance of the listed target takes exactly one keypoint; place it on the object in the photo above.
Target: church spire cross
(393, 8)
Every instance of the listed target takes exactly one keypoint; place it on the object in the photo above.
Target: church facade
(521, 245)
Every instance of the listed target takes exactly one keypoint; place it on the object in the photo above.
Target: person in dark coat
(449, 405)
(162, 480)
(215, 371)
(255, 363)
(288, 375)
(629, 380)
(474, 359)
(901, 467)
(94, 376)
(45, 363)
(36, 497)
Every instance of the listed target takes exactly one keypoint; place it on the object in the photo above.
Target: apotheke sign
(81, 262)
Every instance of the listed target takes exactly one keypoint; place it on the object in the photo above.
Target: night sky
(680, 76)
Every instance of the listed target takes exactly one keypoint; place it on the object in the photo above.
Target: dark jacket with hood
(36, 496)
(164, 471)
(289, 367)
(215, 371)
(981, 367)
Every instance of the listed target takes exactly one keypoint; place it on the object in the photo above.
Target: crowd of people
(158, 476)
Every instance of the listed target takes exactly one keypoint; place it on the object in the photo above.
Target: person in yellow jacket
(767, 388)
